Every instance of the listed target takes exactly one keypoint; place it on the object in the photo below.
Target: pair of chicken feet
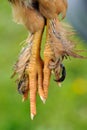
(38, 72)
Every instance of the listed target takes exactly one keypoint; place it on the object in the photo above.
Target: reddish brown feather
(60, 43)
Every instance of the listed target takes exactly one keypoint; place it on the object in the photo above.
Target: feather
(23, 60)
(61, 46)
(51, 8)
(60, 43)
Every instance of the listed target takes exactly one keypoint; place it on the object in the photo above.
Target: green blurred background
(66, 107)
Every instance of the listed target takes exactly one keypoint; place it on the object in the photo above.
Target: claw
(23, 99)
(25, 96)
(43, 99)
(23, 85)
(62, 78)
(32, 116)
(59, 84)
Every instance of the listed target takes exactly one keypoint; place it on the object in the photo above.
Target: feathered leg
(35, 71)
(29, 66)
(58, 46)
(48, 54)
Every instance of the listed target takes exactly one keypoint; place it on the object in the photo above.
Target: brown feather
(60, 42)
(24, 13)
(51, 8)
(23, 60)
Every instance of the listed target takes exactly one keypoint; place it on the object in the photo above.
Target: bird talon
(33, 76)
(32, 116)
(25, 96)
(43, 99)
(59, 84)
(23, 84)
(62, 78)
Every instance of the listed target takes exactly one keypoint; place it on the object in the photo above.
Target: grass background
(66, 107)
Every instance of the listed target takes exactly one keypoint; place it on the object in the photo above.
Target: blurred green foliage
(66, 107)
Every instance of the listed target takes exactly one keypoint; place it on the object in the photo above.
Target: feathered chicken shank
(33, 73)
